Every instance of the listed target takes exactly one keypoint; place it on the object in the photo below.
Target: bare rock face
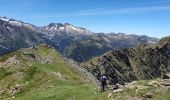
(84, 72)
(15, 36)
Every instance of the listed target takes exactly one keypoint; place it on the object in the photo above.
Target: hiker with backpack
(103, 80)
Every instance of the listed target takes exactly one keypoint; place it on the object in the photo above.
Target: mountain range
(65, 62)
(73, 42)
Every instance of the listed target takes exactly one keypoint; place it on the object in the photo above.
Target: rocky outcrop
(84, 72)
(141, 90)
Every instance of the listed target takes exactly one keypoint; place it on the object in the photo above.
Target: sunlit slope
(41, 73)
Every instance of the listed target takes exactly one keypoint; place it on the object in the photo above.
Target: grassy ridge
(41, 73)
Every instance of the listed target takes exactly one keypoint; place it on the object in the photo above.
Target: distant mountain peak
(4, 18)
(18, 23)
(55, 24)
(68, 24)
(56, 28)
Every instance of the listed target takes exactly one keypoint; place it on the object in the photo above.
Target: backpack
(103, 79)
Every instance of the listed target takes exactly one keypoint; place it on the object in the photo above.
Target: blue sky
(144, 17)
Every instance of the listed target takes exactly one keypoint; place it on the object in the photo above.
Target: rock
(13, 97)
(49, 59)
(131, 85)
(15, 89)
(125, 83)
(140, 87)
(2, 91)
(114, 87)
(10, 62)
(165, 76)
(29, 55)
(153, 83)
(118, 90)
(166, 84)
(119, 85)
(148, 95)
(110, 95)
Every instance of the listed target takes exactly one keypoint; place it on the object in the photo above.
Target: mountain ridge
(16, 37)
(40, 72)
(141, 62)
(64, 25)
(73, 42)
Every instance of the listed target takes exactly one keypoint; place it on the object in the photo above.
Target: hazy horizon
(142, 17)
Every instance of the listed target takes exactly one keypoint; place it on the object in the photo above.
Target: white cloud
(101, 11)
(120, 11)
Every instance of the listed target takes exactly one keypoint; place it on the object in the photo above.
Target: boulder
(131, 85)
(148, 95)
(119, 85)
(118, 90)
(110, 95)
(114, 87)
(153, 83)
(165, 76)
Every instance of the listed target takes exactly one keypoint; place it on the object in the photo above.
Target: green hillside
(40, 73)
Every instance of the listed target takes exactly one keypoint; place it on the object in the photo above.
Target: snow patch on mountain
(4, 19)
(18, 23)
(58, 28)
(15, 23)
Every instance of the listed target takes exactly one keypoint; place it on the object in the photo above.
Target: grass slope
(41, 73)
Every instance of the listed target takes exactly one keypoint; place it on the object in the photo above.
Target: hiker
(103, 80)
